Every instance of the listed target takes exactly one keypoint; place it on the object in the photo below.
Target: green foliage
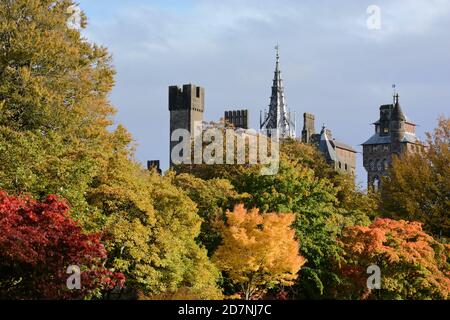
(308, 187)
(212, 198)
(55, 138)
(417, 187)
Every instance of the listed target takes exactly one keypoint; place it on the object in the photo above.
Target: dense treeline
(70, 185)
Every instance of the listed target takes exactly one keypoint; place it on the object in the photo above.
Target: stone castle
(394, 133)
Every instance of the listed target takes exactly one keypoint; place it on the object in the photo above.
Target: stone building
(394, 134)
(339, 155)
(186, 106)
(239, 119)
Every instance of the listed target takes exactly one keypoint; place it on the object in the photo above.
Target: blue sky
(332, 64)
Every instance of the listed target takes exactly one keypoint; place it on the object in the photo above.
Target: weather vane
(395, 94)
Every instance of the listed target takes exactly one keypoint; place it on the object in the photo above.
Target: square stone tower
(186, 106)
(394, 135)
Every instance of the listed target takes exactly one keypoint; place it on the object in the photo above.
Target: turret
(398, 122)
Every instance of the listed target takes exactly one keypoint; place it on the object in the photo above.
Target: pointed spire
(278, 118)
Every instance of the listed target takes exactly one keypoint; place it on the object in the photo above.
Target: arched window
(372, 165)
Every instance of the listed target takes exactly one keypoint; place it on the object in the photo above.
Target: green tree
(323, 202)
(51, 78)
(212, 197)
(417, 187)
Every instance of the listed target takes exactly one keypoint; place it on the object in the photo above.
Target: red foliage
(38, 242)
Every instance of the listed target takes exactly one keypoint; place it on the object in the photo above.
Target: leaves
(422, 195)
(258, 251)
(413, 264)
(38, 242)
(55, 138)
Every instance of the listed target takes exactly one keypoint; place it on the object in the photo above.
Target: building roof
(397, 112)
(378, 139)
(326, 147)
(344, 146)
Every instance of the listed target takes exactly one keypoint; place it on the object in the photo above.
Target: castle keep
(394, 134)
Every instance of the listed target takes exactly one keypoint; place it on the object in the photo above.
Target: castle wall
(346, 160)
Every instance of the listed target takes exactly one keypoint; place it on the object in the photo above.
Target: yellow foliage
(258, 251)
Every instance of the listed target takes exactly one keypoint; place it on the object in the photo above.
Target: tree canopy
(258, 251)
(413, 265)
(417, 187)
(38, 242)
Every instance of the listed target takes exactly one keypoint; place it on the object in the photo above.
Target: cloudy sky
(333, 65)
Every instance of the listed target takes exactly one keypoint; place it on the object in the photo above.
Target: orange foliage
(413, 264)
(258, 251)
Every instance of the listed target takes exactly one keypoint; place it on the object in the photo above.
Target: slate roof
(326, 148)
(377, 139)
(341, 145)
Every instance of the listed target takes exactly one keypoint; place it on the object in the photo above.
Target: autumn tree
(352, 200)
(153, 226)
(56, 138)
(258, 251)
(417, 187)
(212, 197)
(413, 264)
(38, 242)
(308, 187)
(318, 219)
(54, 107)
(51, 77)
